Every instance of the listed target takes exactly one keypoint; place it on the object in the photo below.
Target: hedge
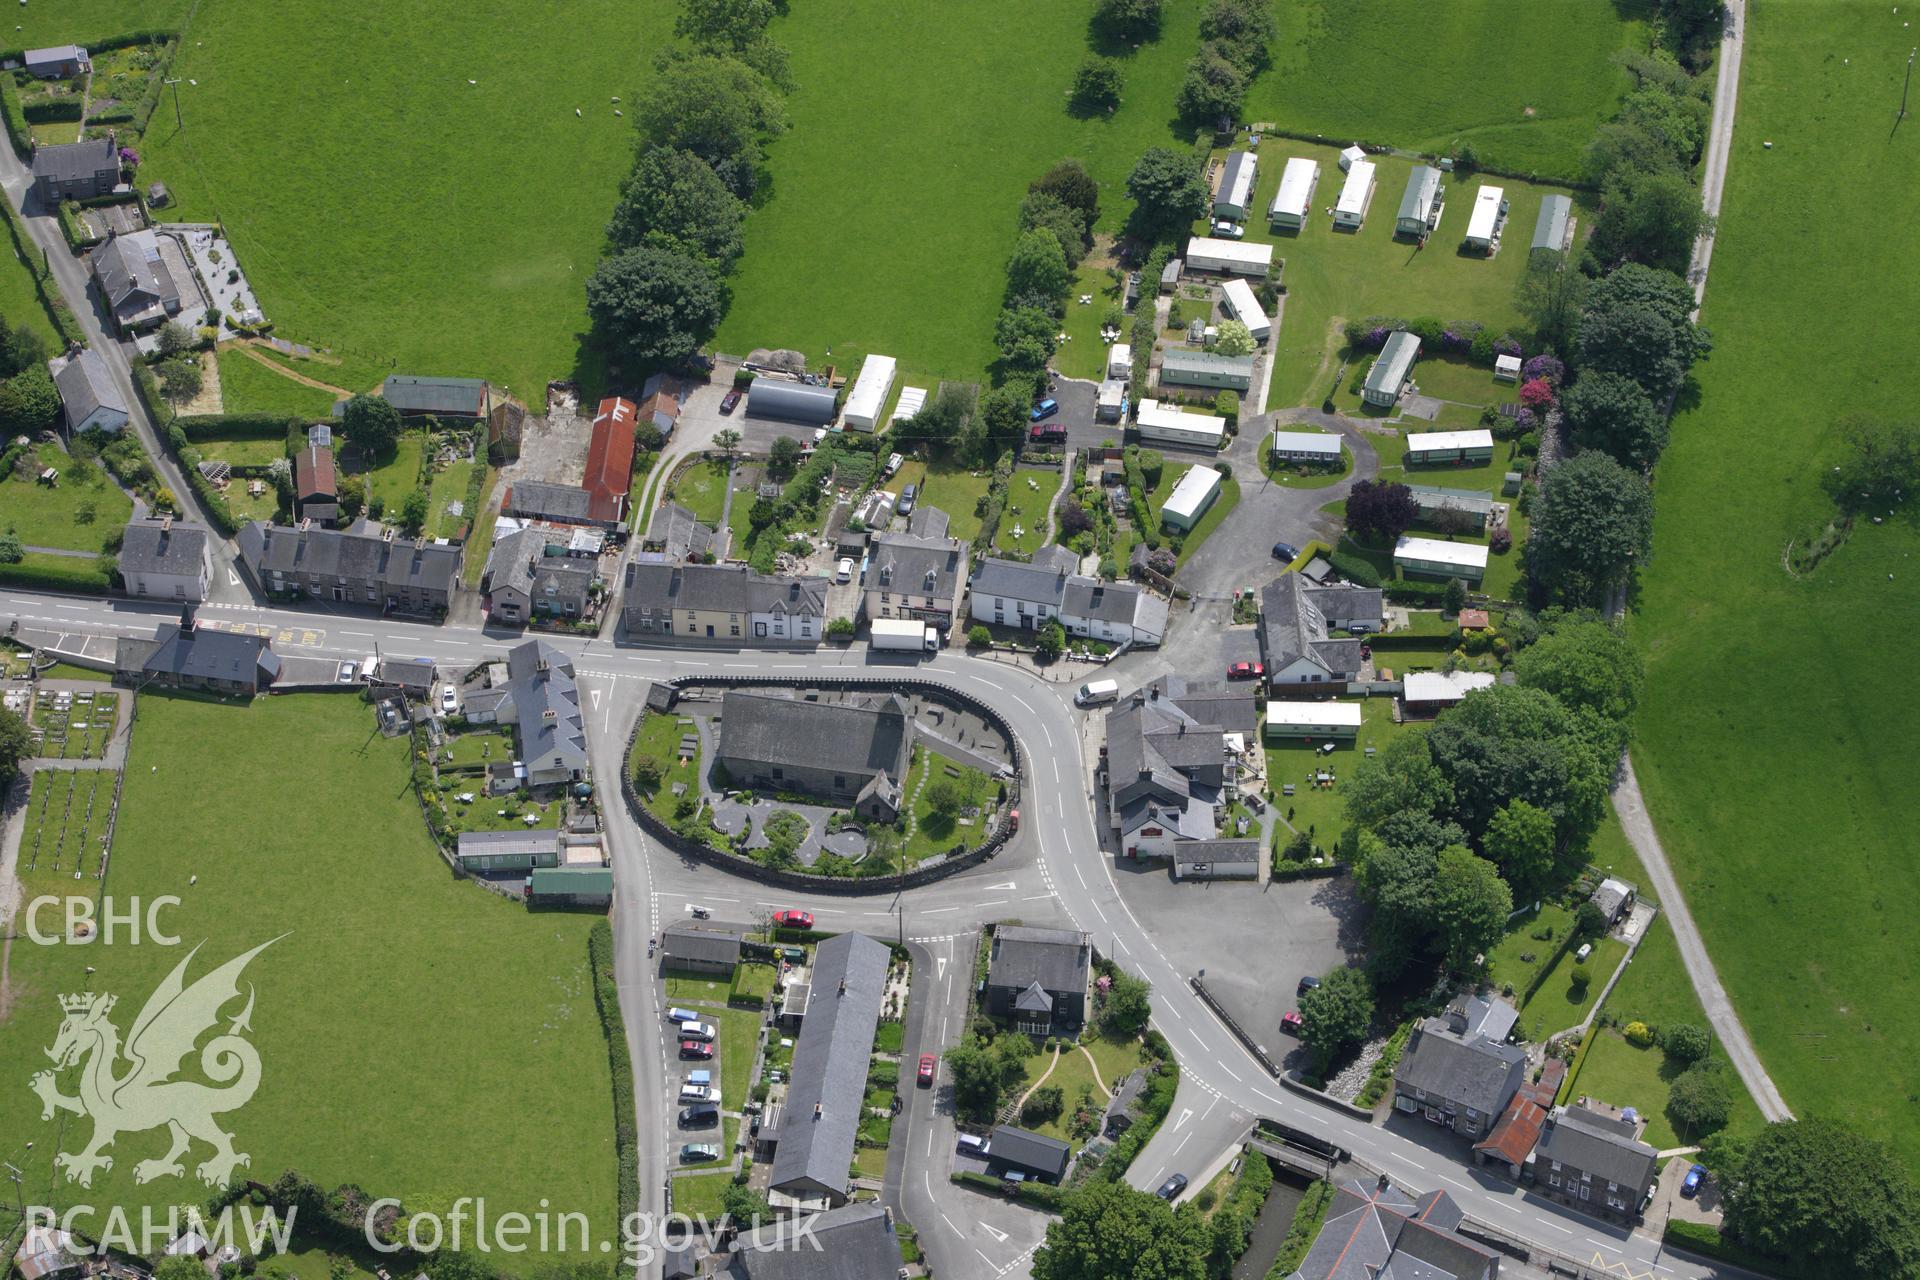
(626, 1131)
(1040, 1195)
(10, 108)
(54, 111)
(52, 574)
(203, 427)
(1409, 591)
(58, 312)
(1355, 569)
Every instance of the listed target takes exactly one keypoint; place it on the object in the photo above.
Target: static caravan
(1283, 720)
(1305, 446)
(1426, 693)
(1554, 227)
(1489, 212)
(1391, 369)
(1433, 558)
(1234, 257)
(1191, 498)
(1435, 447)
(1356, 194)
(912, 401)
(1295, 196)
(1245, 308)
(791, 401)
(1422, 202)
(1235, 197)
(869, 394)
(1120, 360)
(1166, 424)
(1110, 405)
(1181, 367)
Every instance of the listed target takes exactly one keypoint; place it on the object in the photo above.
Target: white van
(1095, 692)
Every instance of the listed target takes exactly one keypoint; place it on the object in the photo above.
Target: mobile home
(1191, 497)
(869, 394)
(1429, 448)
(1305, 446)
(1295, 196)
(1245, 308)
(1422, 202)
(1184, 367)
(1168, 425)
(1554, 227)
(1489, 212)
(1235, 197)
(1234, 257)
(1284, 720)
(1390, 370)
(1356, 195)
(1433, 558)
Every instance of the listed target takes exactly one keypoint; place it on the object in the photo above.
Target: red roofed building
(1518, 1129)
(610, 461)
(316, 493)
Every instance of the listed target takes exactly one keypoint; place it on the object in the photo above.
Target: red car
(1246, 671)
(791, 919)
(926, 1071)
(1290, 1023)
(730, 401)
(695, 1049)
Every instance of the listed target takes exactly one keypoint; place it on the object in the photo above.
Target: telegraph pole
(177, 123)
(1907, 86)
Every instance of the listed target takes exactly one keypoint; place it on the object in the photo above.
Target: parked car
(1307, 984)
(697, 1031)
(908, 496)
(696, 1050)
(926, 1071)
(1285, 551)
(793, 918)
(348, 670)
(1246, 670)
(819, 434)
(449, 700)
(1045, 409)
(702, 1076)
(701, 1115)
(893, 464)
(730, 401)
(699, 1093)
(1290, 1022)
(1228, 229)
(843, 572)
(1048, 433)
(682, 1015)
(1690, 1185)
(1172, 1186)
(973, 1144)
(698, 1153)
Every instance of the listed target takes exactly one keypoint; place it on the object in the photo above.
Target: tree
(1379, 511)
(675, 200)
(1881, 466)
(1400, 778)
(1070, 183)
(783, 457)
(1074, 520)
(1003, 413)
(655, 306)
(1636, 322)
(1107, 1230)
(29, 403)
(11, 552)
(1096, 85)
(1589, 922)
(737, 27)
(1612, 412)
(1470, 905)
(1550, 296)
(1128, 21)
(20, 349)
(1519, 841)
(1214, 87)
(1685, 1041)
(1020, 326)
(940, 419)
(727, 439)
(1336, 1013)
(1243, 31)
(372, 423)
(16, 739)
(717, 107)
(1233, 339)
(975, 1070)
(1043, 1104)
(1699, 1101)
(1592, 524)
(1044, 211)
(352, 496)
(978, 637)
(946, 798)
(1128, 1006)
(1049, 641)
(1652, 218)
(1168, 192)
(1833, 1200)
(180, 379)
(179, 1267)
(743, 1205)
(175, 338)
(1038, 268)
(1586, 664)
(413, 511)
(1509, 743)
(1454, 596)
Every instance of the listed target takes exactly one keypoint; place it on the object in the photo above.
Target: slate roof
(711, 946)
(1159, 738)
(676, 531)
(1106, 601)
(85, 385)
(359, 554)
(67, 161)
(914, 566)
(843, 737)
(546, 704)
(1029, 1151)
(1013, 580)
(827, 1087)
(211, 655)
(1469, 1071)
(149, 546)
(1596, 1144)
(856, 1242)
(411, 394)
(129, 267)
(1210, 702)
(1188, 852)
(519, 562)
(544, 501)
(1378, 1232)
(1294, 624)
(483, 843)
(721, 588)
(928, 522)
(1057, 959)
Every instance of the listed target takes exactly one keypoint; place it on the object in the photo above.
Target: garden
(1317, 810)
(80, 511)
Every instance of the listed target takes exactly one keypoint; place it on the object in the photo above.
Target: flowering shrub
(1639, 1033)
(1545, 366)
(1502, 541)
(1526, 420)
(1536, 394)
(1505, 345)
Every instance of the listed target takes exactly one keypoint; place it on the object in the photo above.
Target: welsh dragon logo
(146, 1095)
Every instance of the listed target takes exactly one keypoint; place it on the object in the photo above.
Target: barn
(791, 401)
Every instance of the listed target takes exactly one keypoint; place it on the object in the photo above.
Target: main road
(1055, 870)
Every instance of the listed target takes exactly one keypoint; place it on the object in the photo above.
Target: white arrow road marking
(1186, 1114)
(995, 1232)
(940, 967)
(233, 577)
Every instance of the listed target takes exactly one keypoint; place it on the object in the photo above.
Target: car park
(1045, 409)
(696, 1049)
(1690, 1185)
(1172, 1187)
(793, 918)
(698, 1152)
(1290, 1022)
(701, 1115)
(730, 401)
(926, 1070)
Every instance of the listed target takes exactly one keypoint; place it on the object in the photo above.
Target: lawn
(739, 1039)
(247, 386)
(1654, 990)
(295, 112)
(1786, 805)
(932, 833)
(349, 373)
(952, 488)
(1030, 496)
(1084, 353)
(393, 477)
(702, 489)
(687, 987)
(252, 802)
(1342, 68)
(1502, 581)
(20, 299)
(84, 21)
(921, 225)
(1322, 810)
(698, 1194)
(1520, 955)
(449, 486)
(659, 740)
(244, 453)
(75, 514)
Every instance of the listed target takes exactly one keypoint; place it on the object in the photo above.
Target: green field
(380, 963)
(75, 514)
(1524, 87)
(1779, 774)
(893, 207)
(20, 299)
(247, 386)
(83, 21)
(383, 205)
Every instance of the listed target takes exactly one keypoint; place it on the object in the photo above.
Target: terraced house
(1008, 593)
(911, 577)
(365, 565)
(702, 602)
